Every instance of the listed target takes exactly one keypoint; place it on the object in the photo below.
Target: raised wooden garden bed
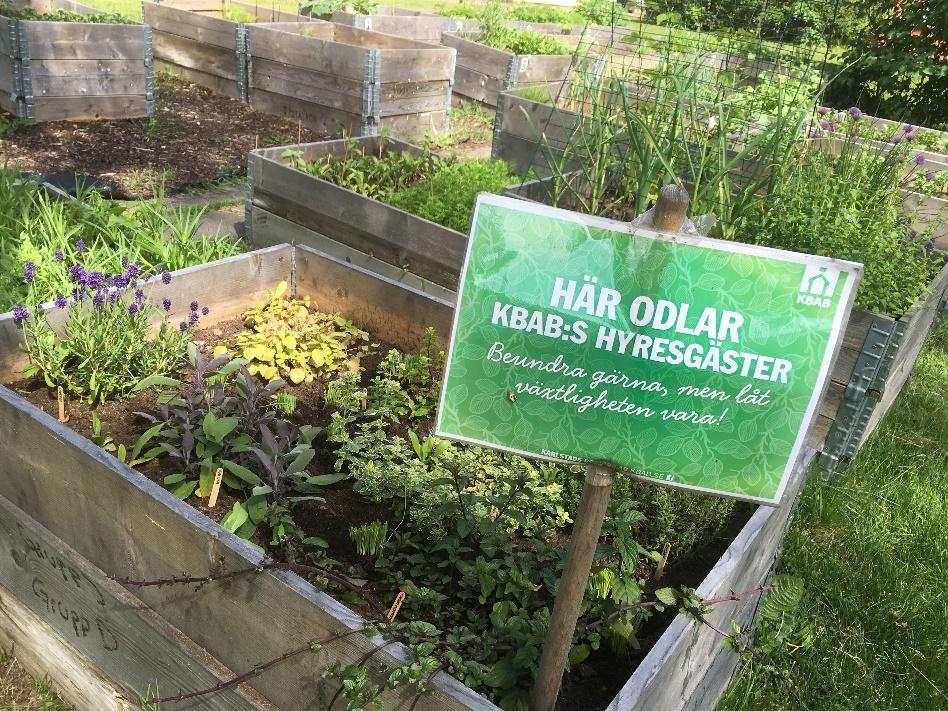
(483, 72)
(194, 40)
(54, 71)
(73, 515)
(338, 78)
(286, 204)
(408, 24)
(877, 357)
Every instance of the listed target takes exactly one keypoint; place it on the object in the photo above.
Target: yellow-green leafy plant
(286, 338)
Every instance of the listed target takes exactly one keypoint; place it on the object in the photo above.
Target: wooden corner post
(669, 216)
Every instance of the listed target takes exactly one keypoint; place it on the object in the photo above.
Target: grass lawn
(871, 546)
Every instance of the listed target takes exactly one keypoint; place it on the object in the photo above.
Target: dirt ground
(195, 139)
(20, 692)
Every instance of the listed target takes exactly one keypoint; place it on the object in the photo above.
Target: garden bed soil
(196, 138)
(594, 684)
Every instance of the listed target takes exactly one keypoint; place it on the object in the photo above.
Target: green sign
(694, 362)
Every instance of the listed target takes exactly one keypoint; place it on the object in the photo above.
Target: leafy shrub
(442, 189)
(221, 418)
(496, 32)
(325, 8)
(105, 348)
(448, 197)
(285, 337)
(26, 13)
(848, 206)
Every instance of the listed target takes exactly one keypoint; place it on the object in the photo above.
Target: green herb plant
(106, 345)
(285, 337)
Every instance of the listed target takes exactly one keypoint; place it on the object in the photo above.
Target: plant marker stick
(660, 570)
(216, 488)
(61, 400)
(669, 216)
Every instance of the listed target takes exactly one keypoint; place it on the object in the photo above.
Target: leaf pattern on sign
(516, 256)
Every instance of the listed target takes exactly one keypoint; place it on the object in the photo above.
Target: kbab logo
(818, 286)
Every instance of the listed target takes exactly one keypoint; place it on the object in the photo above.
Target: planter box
(56, 71)
(194, 40)
(286, 204)
(338, 78)
(483, 73)
(875, 360)
(71, 515)
(409, 24)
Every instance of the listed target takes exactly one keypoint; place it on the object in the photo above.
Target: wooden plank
(6, 25)
(267, 229)
(239, 280)
(306, 84)
(90, 85)
(6, 75)
(472, 55)
(123, 643)
(689, 668)
(421, 28)
(314, 116)
(423, 63)
(929, 213)
(45, 655)
(389, 310)
(207, 30)
(195, 55)
(476, 86)
(414, 105)
(290, 44)
(89, 108)
(542, 69)
(416, 126)
(73, 40)
(219, 85)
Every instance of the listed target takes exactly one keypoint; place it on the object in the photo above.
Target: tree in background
(900, 64)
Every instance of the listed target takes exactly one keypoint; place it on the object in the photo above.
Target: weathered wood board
(337, 78)
(483, 72)
(51, 71)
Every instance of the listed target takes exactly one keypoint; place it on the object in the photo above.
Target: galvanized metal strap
(510, 79)
(371, 93)
(863, 390)
(149, 71)
(498, 125)
(242, 49)
(448, 105)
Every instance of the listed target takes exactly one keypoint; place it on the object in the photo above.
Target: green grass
(871, 545)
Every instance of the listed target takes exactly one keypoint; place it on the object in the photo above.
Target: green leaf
(315, 541)
(666, 595)
(579, 654)
(302, 461)
(241, 472)
(184, 489)
(257, 508)
(217, 428)
(325, 479)
(153, 381)
(247, 530)
(236, 518)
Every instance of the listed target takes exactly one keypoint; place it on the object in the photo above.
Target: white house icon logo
(818, 286)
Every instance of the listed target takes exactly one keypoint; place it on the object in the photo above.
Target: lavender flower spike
(61, 302)
(20, 314)
(29, 272)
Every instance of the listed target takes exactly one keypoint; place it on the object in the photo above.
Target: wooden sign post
(669, 216)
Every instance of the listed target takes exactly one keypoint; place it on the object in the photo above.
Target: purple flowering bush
(107, 344)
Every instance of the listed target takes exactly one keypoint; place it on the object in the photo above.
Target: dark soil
(595, 683)
(195, 139)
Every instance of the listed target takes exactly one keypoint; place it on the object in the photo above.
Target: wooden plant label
(215, 488)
